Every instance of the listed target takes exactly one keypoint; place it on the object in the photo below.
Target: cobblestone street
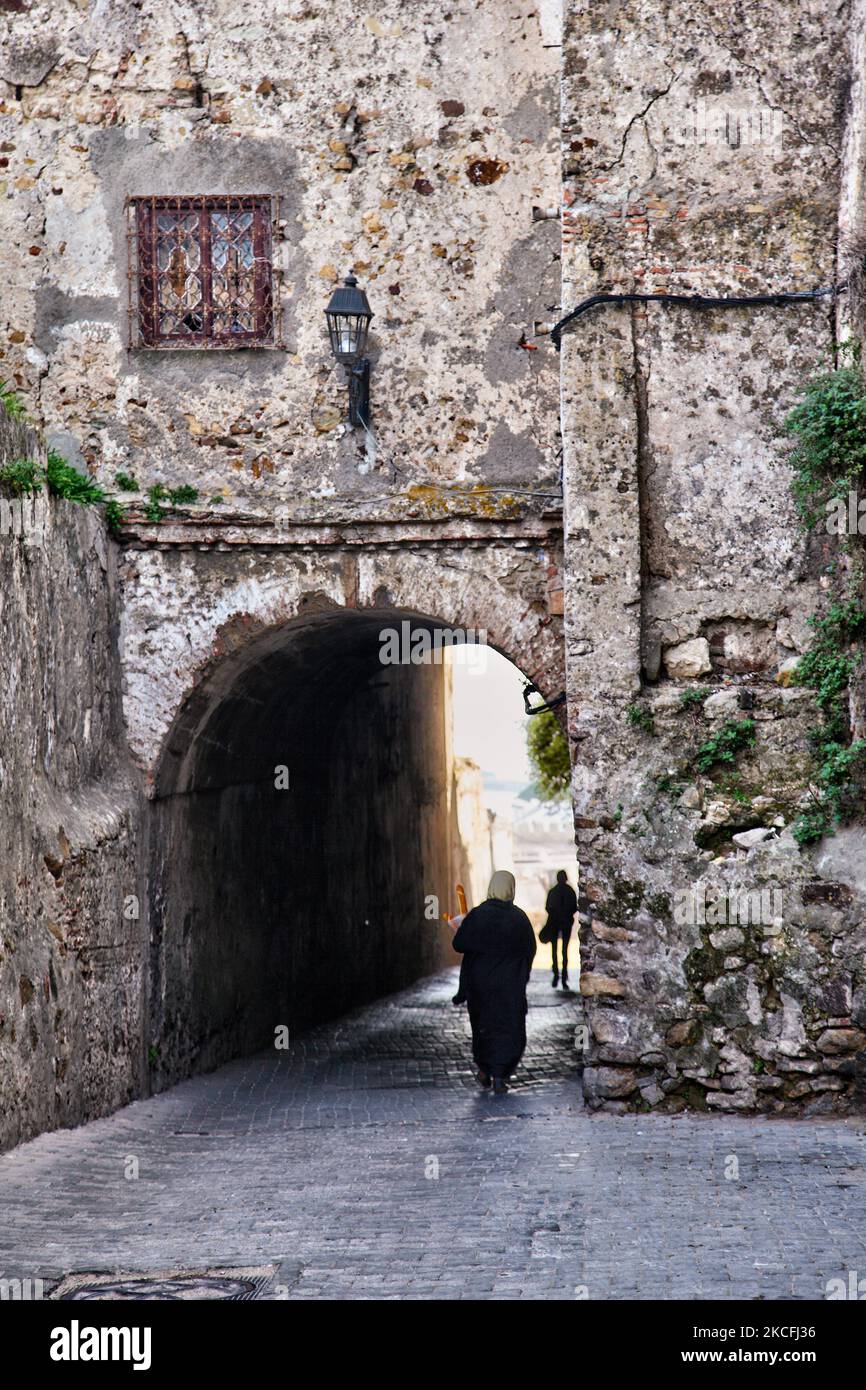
(318, 1168)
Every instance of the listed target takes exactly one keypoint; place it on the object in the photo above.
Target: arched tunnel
(301, 826)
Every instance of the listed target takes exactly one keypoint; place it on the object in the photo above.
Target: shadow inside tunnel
(304, 845)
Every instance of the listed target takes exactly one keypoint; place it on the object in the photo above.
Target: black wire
(694, 301)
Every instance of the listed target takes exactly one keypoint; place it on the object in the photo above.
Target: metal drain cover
(168, 1285)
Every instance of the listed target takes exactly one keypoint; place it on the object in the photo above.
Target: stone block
(593, 985)
(689, 659)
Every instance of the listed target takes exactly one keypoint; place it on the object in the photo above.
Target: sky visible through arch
(489, 726)
(489, 723)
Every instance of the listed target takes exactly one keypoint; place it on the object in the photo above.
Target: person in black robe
(561, 907)
(498, 944)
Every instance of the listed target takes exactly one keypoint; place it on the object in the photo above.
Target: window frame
(142, 271)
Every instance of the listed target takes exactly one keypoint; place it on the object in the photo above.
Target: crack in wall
(759, 77)
(639, 116)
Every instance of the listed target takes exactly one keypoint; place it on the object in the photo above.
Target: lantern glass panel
(345, 335)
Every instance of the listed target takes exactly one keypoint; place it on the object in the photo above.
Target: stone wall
(70, 928)
(701, 154)
(412, 145)
(185, 605)
(416, 147)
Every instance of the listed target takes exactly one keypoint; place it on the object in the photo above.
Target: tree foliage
(548, 756)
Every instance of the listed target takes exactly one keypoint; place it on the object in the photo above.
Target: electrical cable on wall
(694, 301)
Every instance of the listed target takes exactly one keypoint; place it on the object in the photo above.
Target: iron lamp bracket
(359, 393)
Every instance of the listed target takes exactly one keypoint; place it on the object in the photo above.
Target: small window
(203, 271)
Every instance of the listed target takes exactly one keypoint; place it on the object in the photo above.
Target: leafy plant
(736, 793)
(693, 699)
(21, 478)
(829, 462)
(548, 756)
(670, 784)
(65, 481)
(125, 482)
(24, 477)
(12, 403)
(838, 794)
(640, 718)
(826, 669)
(178, 495)
(158, 495)
(114, 517)
(724, 745)
(829, 426)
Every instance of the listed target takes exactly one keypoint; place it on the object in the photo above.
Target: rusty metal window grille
(202, 272)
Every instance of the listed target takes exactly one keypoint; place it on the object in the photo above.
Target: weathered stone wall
(409, 144)
(416, 147)
(701, 154)
(70, 959)
(186, 607)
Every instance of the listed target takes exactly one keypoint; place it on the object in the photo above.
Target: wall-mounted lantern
(349, 315)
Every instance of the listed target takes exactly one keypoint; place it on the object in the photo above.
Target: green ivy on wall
(829, 464)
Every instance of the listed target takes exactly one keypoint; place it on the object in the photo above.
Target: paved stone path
(317, 1168)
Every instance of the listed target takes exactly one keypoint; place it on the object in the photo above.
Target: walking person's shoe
(499, 1086)
(555, 981)
(482, 1078)
(565, 982)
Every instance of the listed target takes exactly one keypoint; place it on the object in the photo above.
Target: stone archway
(300, 796)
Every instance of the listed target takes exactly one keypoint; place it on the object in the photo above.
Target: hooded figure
(498, 944)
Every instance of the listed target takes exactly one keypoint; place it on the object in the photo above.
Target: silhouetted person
(561, 906)
(498, 944)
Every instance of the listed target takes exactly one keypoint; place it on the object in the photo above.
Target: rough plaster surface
(183, 612)
(372, 129)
